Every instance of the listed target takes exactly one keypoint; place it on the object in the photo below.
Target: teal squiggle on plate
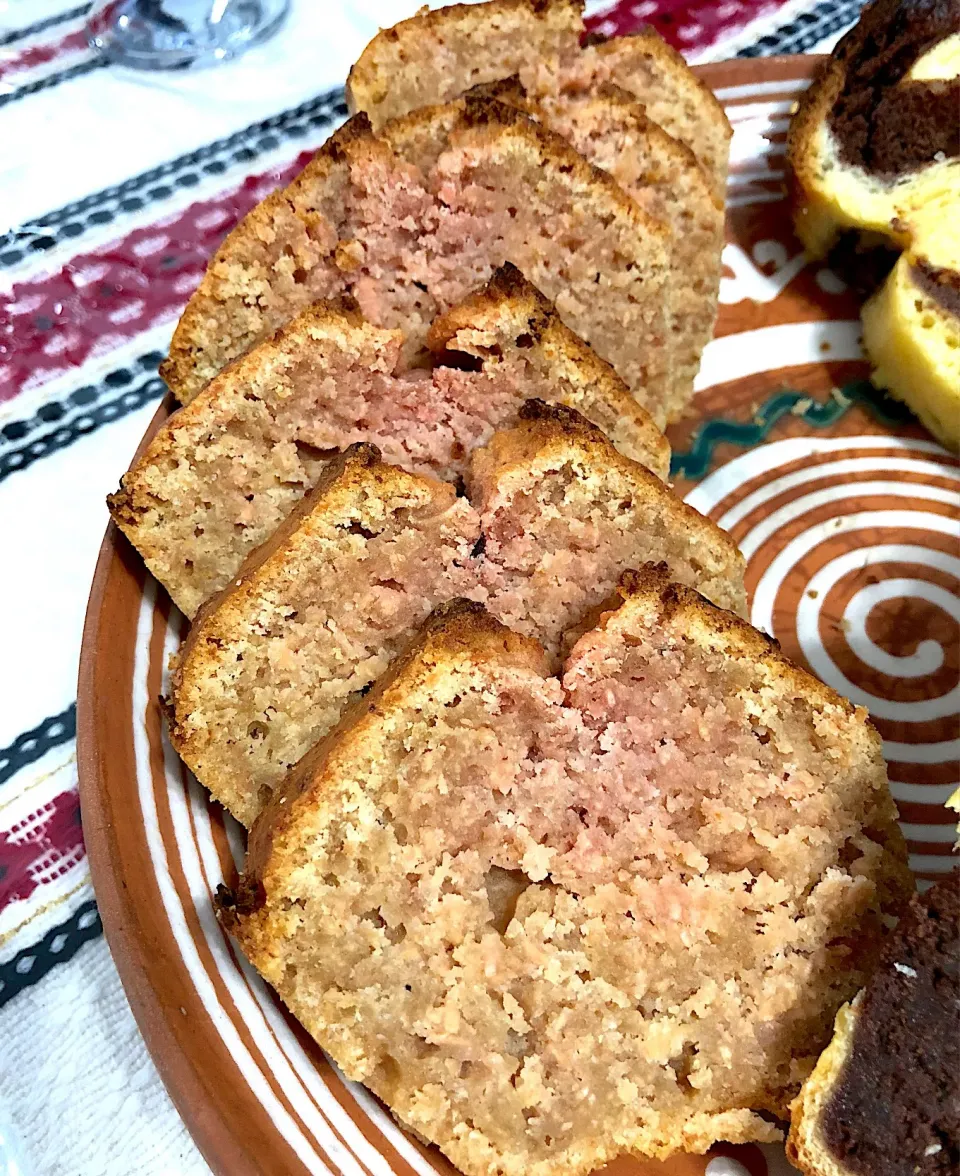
(696, 461)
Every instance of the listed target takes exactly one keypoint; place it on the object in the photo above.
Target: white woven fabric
(78, 1085)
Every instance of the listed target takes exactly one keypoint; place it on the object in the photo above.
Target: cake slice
(505, 344)
(882, 1100)
(223, 472)
(314, 616)
(911, 325)
(612, 130)
(875, 152)
(609, 128)
(643, 64)
(409, 241)
(318, 611)
(877, 136)
(563, 515)
(551, 928)
(437, 55)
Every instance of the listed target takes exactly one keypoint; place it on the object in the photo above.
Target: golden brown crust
(546, 429)
(812, 108)
(367, 81)
(509, 91)
(648, 41)
(804, 1148)
(385, 80)
(495, 121)
(328, 169)
(456, 632)
(216, 404)
(649, 591)
(506, 284)
(803, 157)
(508, 302)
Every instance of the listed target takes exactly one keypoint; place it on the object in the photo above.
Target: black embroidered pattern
(82, 397)
(806, 30)
(59, 945)
(159, 183)
(50, 22)
(35, 743)
(22, 457)
(53, 79)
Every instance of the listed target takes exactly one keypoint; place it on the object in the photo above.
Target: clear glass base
(181, 34)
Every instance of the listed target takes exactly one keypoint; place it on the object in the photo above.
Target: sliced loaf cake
(314, 616)
(437, 55)
(549, 927)
(564, 514)
(224, 471)
(317, 612)
(609, 128)
(408, 240)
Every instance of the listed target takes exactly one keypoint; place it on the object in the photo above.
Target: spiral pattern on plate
(853, 564)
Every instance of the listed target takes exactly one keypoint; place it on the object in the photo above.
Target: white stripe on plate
(842, 467)
(946, 832)
(731, 94)
(761, 111)
(922, 753)
(933, 863)
(921, 793)
(173, 908)
(765, 349)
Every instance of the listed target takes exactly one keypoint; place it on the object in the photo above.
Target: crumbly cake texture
(551, 923)
(516, 336)
(470, 49)
(408, 243)
(437, 55)
(610, 128)
(876, 136)
(882, 1100)
(563, 515)
(224, 471)
(316, 614)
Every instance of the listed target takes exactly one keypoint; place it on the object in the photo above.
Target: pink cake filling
(557, 542)
(424, 421)
(638, 893)
(421, 244)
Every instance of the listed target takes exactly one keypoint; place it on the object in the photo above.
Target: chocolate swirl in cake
(940, 284)
(882, 120)
(895, 1109)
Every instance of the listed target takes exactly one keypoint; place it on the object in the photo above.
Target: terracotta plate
(847, 513)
